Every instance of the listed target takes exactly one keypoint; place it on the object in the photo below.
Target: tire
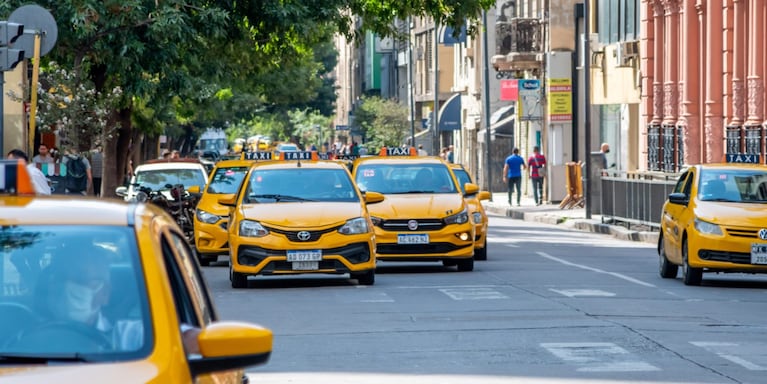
(481, 254)
(667, 269)
(239, 280)
(366, 278)
(690, 275)
(205, 260)
(449, 263)
(466, 265)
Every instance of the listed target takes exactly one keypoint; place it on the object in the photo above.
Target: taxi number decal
(305, 265)
(369, 173)
(413, 239)
(758, 253)
(310, 255)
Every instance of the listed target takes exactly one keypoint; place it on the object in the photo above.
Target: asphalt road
(549, 305)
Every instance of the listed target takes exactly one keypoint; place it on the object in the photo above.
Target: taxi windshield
(227, 180)
(405, 178)
(300, 185)
(72, 292)
(157, 179)
(733, 185)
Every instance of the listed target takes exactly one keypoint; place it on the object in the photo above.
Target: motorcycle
(181, 205)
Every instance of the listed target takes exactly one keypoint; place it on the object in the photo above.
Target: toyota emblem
(304, 235)
(412, 225)
(763, 234)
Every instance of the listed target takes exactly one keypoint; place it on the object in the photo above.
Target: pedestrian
(174, 154)
(449, 154)
(79, 176)
(39, 181)
(604, 149)
(97, 166)
(537, 169)
(421, 151)
(43, 155)
(512, 174)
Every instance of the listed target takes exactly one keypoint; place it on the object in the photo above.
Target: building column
(647, 61)
(658, 55)
(689, 121)
(756, 64)
(739, 54)
(702, 80)
(714, 50)
(670, 65)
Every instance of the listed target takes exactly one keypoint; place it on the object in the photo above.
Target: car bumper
(723, 253)
(211, 239)
(446, 243)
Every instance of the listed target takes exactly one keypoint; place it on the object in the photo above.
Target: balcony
(519, 44)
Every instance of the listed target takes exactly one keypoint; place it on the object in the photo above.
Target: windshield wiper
(722, 199)
(21, 358)
(277, 197)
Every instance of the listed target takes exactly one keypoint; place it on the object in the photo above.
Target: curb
(580, 224)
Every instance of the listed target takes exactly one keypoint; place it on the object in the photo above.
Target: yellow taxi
(211, 237)
(476, 211)
(300, 215)
(424, 216)
(714, 221)
(98, 290)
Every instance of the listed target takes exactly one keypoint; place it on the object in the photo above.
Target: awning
(502, 113)
(446, 35)
(450, 114)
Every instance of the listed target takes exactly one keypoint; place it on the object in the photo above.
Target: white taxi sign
(299, 155)
(743, 158)
(258, 156)
(14, 178)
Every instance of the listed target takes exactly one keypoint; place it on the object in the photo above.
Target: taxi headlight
(707, 228)
(250, 228)
(458, 218)
(355, 227)
(376, 220)
(477, 217)
(207, 217)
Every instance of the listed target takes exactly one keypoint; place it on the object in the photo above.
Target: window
(617, 20)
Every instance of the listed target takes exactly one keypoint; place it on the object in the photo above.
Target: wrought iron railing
(733, 138)
(635, 197)
(665, 148)
(668, 133)
(653, 147)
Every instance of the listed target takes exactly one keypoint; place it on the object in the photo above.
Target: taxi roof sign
(743, 158)
(398, 151)
(299, 155)
(14, 178)
(256, 155)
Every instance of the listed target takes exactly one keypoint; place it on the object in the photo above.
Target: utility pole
(411, 94)
(587, 103)
(486, 87)
(435, 110)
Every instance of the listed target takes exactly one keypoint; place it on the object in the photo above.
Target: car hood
(209, 203)
(305, 214)
(437, 205)
(133, 372)
(737, 214)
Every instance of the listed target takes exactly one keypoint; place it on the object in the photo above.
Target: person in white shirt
(39, 181)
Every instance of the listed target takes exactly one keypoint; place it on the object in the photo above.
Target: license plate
(758, 253)
(307, 255)
(305, 265)
(413, 239)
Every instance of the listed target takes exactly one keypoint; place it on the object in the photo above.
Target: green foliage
(308, 126)
(382, 122)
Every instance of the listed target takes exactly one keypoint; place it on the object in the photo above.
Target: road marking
(597, 270)
(598, 357)
(582, 292)
(473, 294)
(724, 349)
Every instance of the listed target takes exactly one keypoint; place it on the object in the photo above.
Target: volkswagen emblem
(763, 234)
(304, 235)
(412, 225)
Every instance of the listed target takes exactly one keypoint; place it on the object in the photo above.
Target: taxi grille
(293, 235)
(729, 257)
(251, 255)
(751, 233)
(410, 249)
(423, 225)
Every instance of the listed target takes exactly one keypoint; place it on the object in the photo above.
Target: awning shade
(446, 35)
(450, 114)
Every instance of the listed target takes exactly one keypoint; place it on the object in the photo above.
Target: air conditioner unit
(626, 52)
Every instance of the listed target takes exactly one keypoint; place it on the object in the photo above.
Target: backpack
(77, 177)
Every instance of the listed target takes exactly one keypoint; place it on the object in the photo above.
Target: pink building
(703, 68)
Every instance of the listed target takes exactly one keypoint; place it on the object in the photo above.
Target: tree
(382, 122)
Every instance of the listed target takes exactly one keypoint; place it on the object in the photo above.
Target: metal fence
(635, 197)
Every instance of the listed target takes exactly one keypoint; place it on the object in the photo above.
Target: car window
(405, 178)
(192, 301)
(300, 184)
(157, 179)
(463, 178)
(227, 180)
(681, 182)
(73, 290)
(734, 185)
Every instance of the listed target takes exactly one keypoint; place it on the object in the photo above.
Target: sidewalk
(570, 218)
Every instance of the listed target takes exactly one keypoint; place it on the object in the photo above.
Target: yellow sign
(560, 100)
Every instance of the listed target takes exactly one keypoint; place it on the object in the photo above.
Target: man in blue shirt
(512, 174)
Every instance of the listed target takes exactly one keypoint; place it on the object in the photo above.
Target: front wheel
(481, 254)
(366, 278)
(667, 269)
(239, 280)
(466, 265)
(690, 275)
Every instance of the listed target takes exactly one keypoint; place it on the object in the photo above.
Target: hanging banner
(530, 106)
(509, 90)
(560, 100)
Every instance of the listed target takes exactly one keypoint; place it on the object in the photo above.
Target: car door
(191, 295)
(672, 216)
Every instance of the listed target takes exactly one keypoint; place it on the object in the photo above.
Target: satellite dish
(35, 19)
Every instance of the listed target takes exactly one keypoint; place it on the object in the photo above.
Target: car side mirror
(121, 191)
(678, 198)
(194, 189)
(483, 195)
(470, 189)
(228, 201)
(373, 197)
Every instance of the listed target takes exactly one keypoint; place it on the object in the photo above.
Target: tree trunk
(116, 154)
